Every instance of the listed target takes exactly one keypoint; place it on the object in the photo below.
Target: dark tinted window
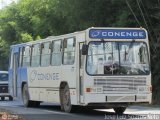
(3, 77)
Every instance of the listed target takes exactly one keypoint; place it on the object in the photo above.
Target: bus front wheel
(65, 99)
(119, 110)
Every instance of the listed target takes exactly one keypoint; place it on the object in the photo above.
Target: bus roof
(49, 38)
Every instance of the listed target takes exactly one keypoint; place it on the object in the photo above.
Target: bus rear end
(117, 68)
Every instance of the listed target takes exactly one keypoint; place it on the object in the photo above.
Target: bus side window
(143, 55)
(56, 53)
(35, 61)
(26, 53)
(69, 51)
(45, 55)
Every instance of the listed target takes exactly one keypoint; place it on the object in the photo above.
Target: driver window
(143, 55)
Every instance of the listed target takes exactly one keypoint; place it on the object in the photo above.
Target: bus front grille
(120, 85)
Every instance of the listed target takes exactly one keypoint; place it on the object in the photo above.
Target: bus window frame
(74, 43)
(22, 55)
(50, 43)
(61, 51)
(36, 55)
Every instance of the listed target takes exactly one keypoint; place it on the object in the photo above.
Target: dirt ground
(9, 116)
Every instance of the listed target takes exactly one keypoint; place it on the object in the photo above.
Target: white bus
(103, 67)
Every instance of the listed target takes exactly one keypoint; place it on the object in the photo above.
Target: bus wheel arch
(65, 98)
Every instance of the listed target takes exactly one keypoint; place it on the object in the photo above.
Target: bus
(99, 67)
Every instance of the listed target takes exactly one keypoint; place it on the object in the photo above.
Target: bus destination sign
(117, 34)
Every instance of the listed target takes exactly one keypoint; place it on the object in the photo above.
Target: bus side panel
(44, 83)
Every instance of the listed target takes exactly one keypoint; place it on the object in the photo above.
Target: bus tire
(10, 98)
(25, 97)
(2, 98)
(35, 103)
(119, 110)
(66, 99)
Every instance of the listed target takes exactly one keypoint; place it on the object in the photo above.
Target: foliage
(25, 37)
(30, 20)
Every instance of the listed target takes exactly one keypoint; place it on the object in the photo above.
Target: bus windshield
(117, 58)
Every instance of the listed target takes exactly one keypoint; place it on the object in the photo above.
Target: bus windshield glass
(117, 58)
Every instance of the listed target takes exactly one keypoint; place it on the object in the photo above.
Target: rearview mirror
(84, 49)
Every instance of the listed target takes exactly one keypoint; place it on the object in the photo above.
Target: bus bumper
(119, 98)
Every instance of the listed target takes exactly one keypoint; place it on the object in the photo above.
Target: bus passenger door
(14, 66)
(81, 70)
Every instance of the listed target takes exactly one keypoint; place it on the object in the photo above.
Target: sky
(4, 3)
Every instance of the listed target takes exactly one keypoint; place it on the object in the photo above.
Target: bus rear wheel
(66, 100)
(25, 96)
(119, 110)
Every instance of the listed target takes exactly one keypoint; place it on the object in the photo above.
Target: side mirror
(84, 49)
